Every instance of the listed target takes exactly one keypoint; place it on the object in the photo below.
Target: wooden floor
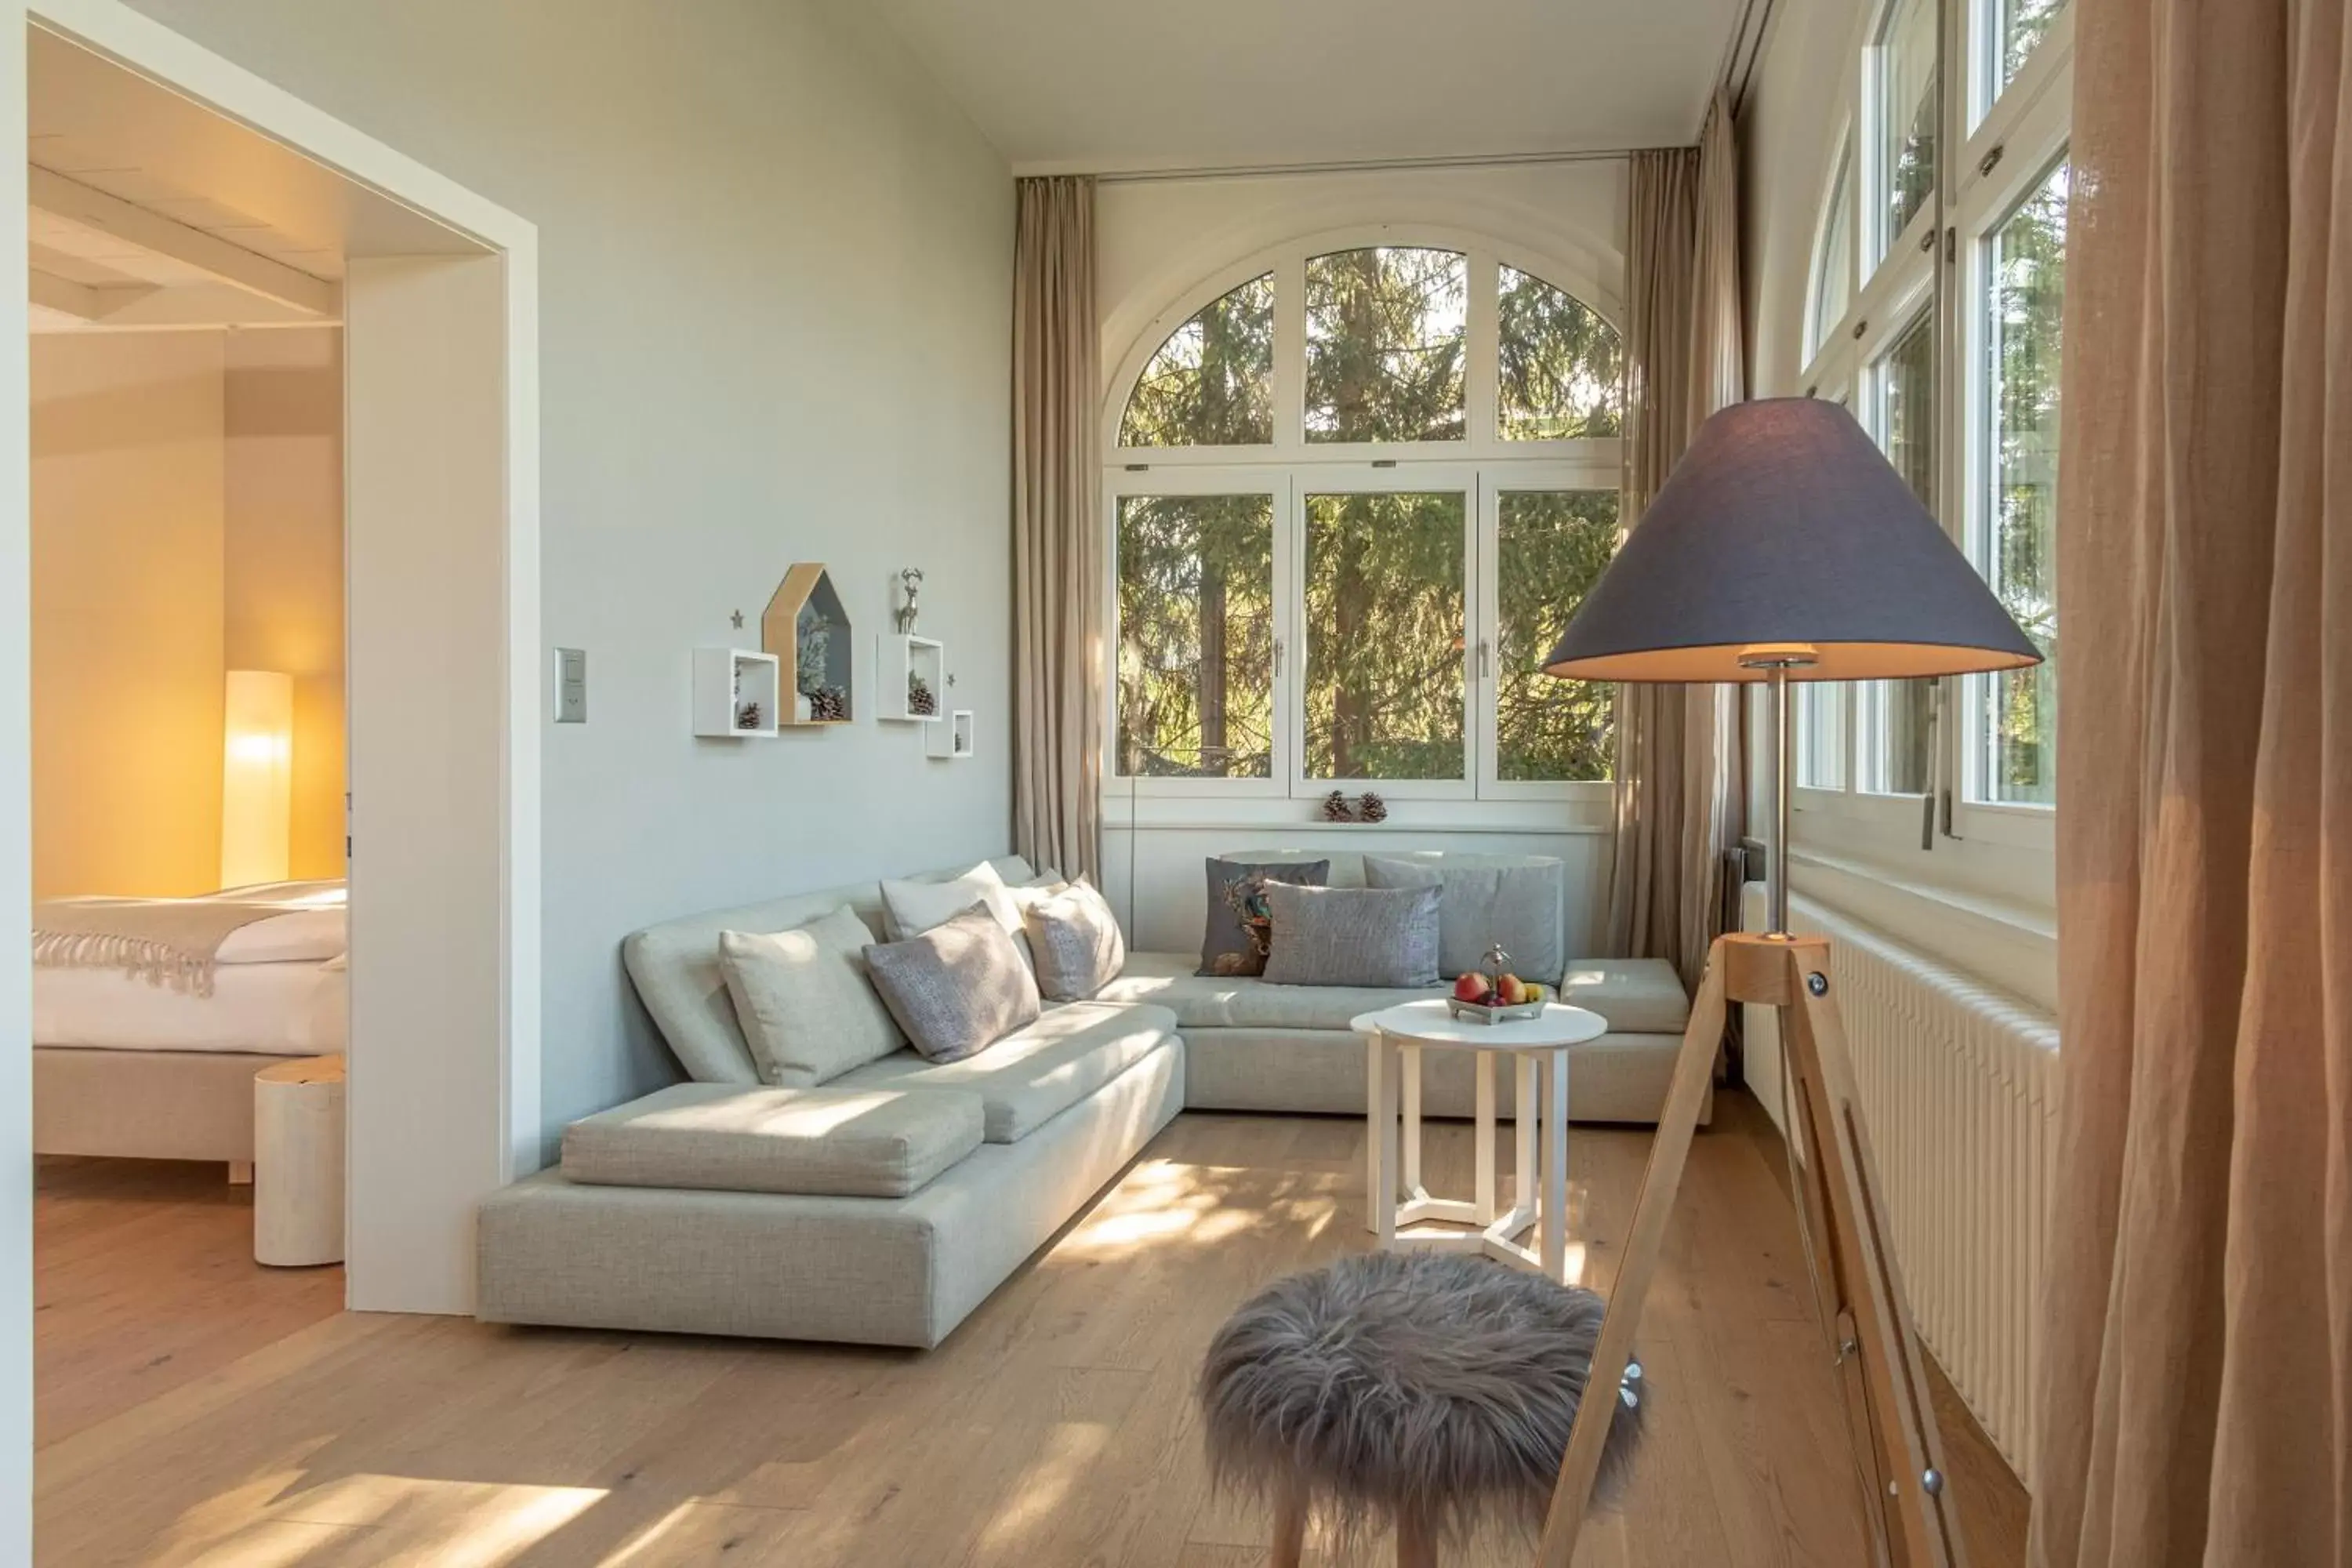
(144, 1281)
(1056, 1428)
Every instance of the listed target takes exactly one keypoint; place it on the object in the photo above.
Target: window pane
(1902, 710)
(1385, 329)
(1551, 547)
(1906, 116)
(1196, 636)
(1820, 724)
(2026, 291)
(1212, 383)
(1384, 677)
(1834, 268)
(2024, 23)
(1562, 366)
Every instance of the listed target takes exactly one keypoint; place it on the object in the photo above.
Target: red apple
(1471, 987)
(1510, 991)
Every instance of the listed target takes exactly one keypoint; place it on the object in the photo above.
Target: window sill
(2008, 941)
(1147, 813)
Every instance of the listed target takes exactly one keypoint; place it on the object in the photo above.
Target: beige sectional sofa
(885, 1206)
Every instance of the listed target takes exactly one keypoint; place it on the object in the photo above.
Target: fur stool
(1428, 1391)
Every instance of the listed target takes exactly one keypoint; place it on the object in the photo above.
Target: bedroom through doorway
(191, 749)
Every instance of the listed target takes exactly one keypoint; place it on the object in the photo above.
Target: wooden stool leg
(1416, 1544)
(1289, 1527)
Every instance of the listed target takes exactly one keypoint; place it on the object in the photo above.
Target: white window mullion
(1482, 393)
(1290, 353)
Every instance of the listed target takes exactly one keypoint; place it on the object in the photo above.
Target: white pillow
(909, 908)
(808, 1009)
(1075, 942)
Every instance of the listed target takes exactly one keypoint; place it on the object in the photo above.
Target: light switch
(570, 685)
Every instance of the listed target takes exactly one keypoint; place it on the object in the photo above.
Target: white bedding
(275, 1009)
(280, 988)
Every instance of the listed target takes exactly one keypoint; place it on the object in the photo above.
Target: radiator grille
(1958, 1084)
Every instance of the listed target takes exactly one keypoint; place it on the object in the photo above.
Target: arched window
(1345, 543)
(1212, 383)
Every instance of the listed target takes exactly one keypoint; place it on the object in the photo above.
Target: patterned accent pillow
(1075, 939)
(959, 987)
(1353, 936)
(1238, 935)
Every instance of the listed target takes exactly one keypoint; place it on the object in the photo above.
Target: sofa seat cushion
(1637, 995)
(1036, 1073)
(876, 1141)
(1243, 1002)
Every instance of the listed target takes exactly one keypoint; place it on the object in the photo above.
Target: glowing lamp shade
(256, 777)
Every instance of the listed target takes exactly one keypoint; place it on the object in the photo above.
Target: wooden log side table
(1394, 1038)
(297, 1162)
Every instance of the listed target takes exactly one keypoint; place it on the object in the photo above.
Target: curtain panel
(1680, 796)
(1058, 557)
(2196, 1356)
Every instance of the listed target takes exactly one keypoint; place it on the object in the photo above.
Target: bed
(148, 1049)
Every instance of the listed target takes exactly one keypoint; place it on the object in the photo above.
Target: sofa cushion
(1352, 936)
(1229, 1002)
(806, 1008)
(1637, 995)
(1484, 901)
(675, 966)
(1232, 940)
(1033, 1075)
(958, 988)
(872, 1142)
(1076, 940)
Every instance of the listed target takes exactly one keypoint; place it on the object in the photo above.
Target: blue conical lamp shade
(1784, 528)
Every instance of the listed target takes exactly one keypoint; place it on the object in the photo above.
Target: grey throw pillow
(1076, 940)
(1353, 936)
(1233, 942)
(807, 1010)
(958, 988)
(1479, 906)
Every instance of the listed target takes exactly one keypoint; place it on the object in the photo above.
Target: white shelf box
(731, 686)
(899, 661)
(950, 741)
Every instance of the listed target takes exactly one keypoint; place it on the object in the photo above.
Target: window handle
(1486, 659)
(1277, 655)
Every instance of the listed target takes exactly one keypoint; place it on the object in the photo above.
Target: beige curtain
(1679, 796)
(2195, 1358)
(1057, 546)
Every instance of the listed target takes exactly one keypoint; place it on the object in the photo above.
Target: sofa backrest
(675, 966)
(1538, 946)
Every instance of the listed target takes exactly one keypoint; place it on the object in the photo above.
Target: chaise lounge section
(884, 1206)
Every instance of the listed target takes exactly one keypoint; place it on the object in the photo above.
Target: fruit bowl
(1494, 1012)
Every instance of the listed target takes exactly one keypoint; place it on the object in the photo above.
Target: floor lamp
(1785, 548)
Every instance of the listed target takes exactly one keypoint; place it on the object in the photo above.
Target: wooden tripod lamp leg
(1694, 1070)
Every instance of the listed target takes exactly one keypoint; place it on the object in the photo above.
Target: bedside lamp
(256, 777)
(1785, 547)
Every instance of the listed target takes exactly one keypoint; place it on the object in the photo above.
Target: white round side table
(1394, 1038)
(297, 1162)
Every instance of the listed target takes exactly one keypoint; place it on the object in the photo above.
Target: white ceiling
(1111, 85)
(115, 137)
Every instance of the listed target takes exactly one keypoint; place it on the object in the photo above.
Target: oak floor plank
(1056, 1427)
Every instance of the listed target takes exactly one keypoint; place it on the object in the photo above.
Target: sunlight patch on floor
(467, 1524)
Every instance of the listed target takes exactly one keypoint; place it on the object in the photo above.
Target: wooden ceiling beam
(53, 193)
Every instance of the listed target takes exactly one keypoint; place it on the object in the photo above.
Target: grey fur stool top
(1429, 1392)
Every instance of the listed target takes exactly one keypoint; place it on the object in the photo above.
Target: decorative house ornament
(807, 628)
(909, 579)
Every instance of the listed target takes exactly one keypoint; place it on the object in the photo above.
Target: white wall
(129, 528)
(775, 300)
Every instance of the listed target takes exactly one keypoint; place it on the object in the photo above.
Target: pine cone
(1372, 808)
(1335, 808)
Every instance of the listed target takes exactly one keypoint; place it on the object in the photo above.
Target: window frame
(1482, 465)
(2005, 146)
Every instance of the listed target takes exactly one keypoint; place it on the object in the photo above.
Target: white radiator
(1958, 1083)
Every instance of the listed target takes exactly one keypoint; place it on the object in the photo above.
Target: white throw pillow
(808, 1010)
(910, 908)
(1076, 940)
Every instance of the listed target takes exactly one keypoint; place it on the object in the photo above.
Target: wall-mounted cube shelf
(906, 670)
(735, 693)
(950, 742)
(807, 630)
